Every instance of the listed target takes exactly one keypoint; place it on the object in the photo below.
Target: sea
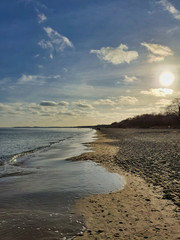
(39, 184)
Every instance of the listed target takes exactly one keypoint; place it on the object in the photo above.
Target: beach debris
(83, 228)
(80, 234)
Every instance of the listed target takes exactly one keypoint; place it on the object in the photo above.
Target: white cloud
(81, 112)
(36, 79)
(65, 113)
(83, 105)
(170, 8)
(127, 100)
(54, 76)
(46, 44)
(114, 101)
(158, 49)
(116, 55)
(63, 103)
(129, 79)
(4, 107)
(104, 102)
(52, 34)
(34, 106)
(153, 58)
(10, 109)
(56, 42)
(158, 92)
(51, 56)
(24, 79)
(158, 52)
(41, 17)
(164, 102)
(143, 110)
(59, 41)
(48, 103)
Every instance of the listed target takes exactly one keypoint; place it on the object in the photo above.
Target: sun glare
(166, 78)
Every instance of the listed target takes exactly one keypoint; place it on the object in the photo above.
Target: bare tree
(174, 108)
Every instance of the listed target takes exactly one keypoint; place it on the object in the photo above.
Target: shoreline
(38, 192)
(139, 211)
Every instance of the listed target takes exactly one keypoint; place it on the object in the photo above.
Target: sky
(87, 62)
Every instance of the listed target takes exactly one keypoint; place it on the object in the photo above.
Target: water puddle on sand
(40, 205)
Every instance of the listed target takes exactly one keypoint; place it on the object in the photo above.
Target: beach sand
(148, 206)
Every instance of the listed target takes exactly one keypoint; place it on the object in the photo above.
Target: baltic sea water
(38, 186)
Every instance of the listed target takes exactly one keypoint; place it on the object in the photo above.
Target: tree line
(169, 119)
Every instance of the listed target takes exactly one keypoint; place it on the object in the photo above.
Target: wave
(13, 165)
(14, 158)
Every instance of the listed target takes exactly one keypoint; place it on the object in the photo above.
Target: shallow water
(16, 141)
(37, 199)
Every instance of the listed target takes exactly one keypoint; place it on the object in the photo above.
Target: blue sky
(81, 62)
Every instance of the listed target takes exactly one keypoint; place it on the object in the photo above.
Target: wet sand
(148, 206)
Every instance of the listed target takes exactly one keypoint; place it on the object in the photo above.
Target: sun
(167, 78)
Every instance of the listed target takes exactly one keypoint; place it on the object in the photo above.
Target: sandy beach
(148, 206)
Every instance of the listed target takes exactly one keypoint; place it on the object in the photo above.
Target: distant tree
(170, 118)
(174, 108)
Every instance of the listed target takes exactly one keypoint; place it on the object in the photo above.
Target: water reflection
(44, 198)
